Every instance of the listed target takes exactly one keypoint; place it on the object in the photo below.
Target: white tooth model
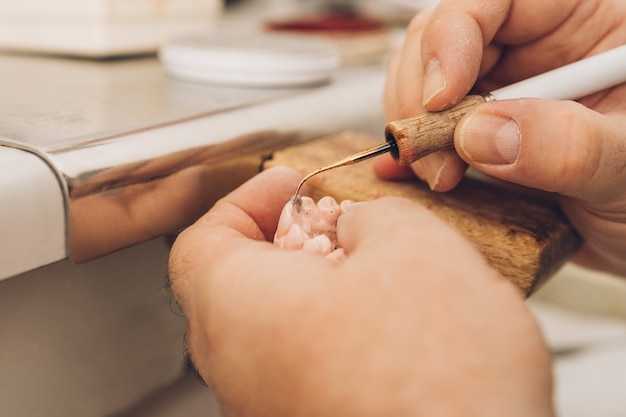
(311, 227)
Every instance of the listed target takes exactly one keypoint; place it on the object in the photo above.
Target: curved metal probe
(352, 159)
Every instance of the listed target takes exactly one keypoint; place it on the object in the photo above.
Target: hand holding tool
(411, 139)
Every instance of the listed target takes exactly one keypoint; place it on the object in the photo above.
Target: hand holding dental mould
(412, 321)
(393, 329)
(575, 149)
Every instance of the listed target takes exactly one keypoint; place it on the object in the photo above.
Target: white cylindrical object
(572, 81)
(251, 59)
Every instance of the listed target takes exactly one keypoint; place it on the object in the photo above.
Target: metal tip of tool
(296, 196)
(296, 200)
(352, 159)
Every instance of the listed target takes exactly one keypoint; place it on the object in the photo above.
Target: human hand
(575, 149)
(395, 329)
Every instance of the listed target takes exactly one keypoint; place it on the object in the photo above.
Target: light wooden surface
(524, 236)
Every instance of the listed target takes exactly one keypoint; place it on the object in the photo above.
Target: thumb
(404, 237)
(556, 146)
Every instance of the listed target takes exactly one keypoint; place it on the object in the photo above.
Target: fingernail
(433, 165)
(434, 81)
(490, 139)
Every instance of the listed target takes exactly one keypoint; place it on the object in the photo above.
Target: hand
(575, 149)
(396, 329)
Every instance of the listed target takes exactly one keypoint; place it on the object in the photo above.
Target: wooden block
(525, 236)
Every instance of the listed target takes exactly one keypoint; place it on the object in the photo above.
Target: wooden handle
(419, 136)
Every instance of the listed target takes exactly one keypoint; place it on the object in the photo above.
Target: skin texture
(575, 149)
(394, 329)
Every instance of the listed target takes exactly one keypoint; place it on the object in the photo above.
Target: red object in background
(328, 23)
(359, 38)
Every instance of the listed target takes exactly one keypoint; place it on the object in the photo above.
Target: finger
(454, 39)
(563, 31)
(556, 146)
(254, 208)
(546, 16)
(237, 232)
(245, 218)
(386, 168)
(404, 236)
(442, 171)
(237, 292)
(452, 66)
(402, 98)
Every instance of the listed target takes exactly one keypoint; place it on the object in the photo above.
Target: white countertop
(32, 213)
(101, 129)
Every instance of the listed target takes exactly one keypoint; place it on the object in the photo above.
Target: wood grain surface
(523, 235)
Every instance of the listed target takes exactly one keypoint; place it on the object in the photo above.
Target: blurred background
(104, 338)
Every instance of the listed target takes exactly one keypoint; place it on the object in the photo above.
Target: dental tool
(408, 140)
